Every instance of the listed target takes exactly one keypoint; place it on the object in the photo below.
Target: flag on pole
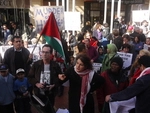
(52, 36)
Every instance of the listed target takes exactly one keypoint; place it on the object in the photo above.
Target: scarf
(144, 72)
(87, 76)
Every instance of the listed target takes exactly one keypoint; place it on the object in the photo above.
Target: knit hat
(117, 60)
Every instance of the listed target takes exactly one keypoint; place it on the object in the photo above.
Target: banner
(36, 55)
(42, 13)
(127, 59)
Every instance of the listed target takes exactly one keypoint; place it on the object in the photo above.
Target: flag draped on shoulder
(52, 36)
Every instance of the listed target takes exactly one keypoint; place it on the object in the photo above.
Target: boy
(22, 89)
(7, 95)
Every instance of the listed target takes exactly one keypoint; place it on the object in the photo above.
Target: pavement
(62, 101)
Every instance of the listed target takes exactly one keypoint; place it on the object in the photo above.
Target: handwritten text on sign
(127, 58)
(42, 13)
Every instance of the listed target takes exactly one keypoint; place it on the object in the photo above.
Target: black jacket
(140, 89)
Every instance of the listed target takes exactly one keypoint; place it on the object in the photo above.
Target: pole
(73, 10)
(119, 8)
(73, 5)
(149, 17)
(36, 44)
(63, 3)
(57, 2)
(67, 5)
(49, 3)
(105, 11)
(112, 16)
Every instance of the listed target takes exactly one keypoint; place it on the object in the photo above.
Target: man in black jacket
(43, 76)
(17, 56)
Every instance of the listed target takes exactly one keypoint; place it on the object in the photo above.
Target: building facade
(91, 10)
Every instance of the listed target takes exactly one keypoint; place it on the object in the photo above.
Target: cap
(3, 67)
(20, 70)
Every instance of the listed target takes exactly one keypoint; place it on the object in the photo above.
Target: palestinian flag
(52, 36)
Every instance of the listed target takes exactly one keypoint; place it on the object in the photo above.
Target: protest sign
(147, 47)
(97, 66)
(72, 21)
(36, 55)
(42, 13)
(127, 59)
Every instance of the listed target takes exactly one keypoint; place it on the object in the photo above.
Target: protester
(111, 53)
(17, 56)
(22, 90)
(140, 89)
(100, 55)
(115, 80)
(15, 31)
(6, 33)
(43, 76)
(126, 48)
(83, 81)
(135, 68)
(7, 95)
(32, 31)
(91, 51)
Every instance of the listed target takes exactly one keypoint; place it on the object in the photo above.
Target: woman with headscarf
(111, 53)
(83, 82)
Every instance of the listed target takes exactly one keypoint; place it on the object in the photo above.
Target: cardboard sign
(127, 58)
(72, 21)
(97, 66)
(42, 13)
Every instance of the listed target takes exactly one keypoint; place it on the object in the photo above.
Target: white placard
(72, 21)
(42, 13)
(147, 47)
(127, 58)
(140, 15)
(97, 66)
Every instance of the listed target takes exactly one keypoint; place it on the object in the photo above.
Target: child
(126, 48)
(147, 45)
(100, 55)
(7, 95)
(22, 88)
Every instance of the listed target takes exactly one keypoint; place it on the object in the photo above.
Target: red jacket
(110, 86)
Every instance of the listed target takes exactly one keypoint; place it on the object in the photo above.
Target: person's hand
(30, 56)
(26, 93)
(61, 76)
(40, 85)
(49, 87)
(92, 60)
(107, 98)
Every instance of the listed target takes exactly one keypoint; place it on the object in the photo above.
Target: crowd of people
(21, 77)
